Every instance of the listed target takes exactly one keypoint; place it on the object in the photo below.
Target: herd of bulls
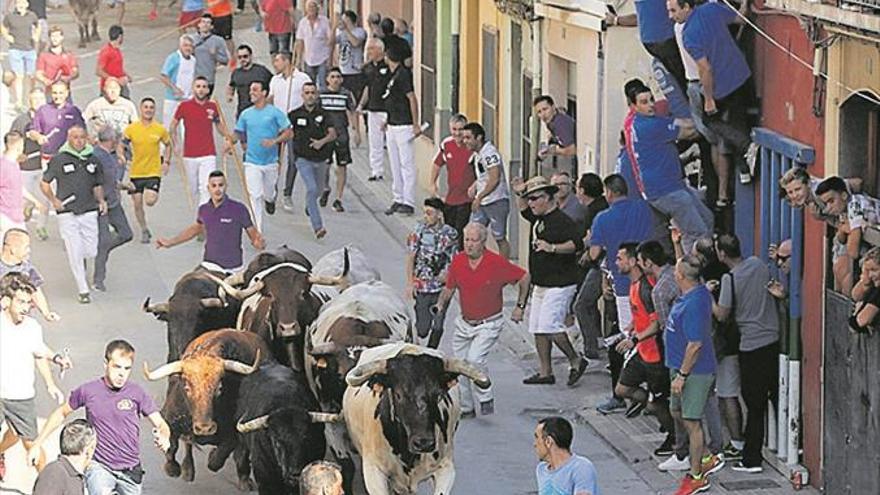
(284, 360)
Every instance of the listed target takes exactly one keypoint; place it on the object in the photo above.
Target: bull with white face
(364, 315)
(402, 410)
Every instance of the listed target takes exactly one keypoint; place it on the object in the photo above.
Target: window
(859, 154)
(428, 41)
(489, 84)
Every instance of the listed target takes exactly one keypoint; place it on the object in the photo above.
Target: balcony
(863, 15)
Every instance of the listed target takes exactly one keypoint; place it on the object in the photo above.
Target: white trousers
(80, 235)
(169, 107)
(261, 181)
(375, 121)
(197, 171)
(403, 166)
(474, 345)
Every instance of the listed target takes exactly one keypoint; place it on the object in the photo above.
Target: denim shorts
(494, 215)
(23, 61)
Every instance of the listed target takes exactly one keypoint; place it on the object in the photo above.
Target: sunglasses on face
(781, 259)
(241, 57)
(534, 198)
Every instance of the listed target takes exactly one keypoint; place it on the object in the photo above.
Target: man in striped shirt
(339, 104)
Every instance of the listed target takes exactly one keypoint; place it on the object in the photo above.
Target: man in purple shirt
(221, 220)
(562, 131)
(113, 408)
(52, 120)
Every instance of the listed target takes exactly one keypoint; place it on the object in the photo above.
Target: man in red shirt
(480, 276)
(278, 22)
(456, 157)
(644, 357)
(111, 63)
(199, 116)
(56, 63)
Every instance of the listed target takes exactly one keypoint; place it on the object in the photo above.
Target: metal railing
(871, 4)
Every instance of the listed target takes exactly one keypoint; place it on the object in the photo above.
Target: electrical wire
(798, 59)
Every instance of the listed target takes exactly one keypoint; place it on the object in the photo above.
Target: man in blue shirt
(650, 143)
(656, 34)
(625, 220)
(724, 74)
(560, 472)
(690, 357)
(261, 128)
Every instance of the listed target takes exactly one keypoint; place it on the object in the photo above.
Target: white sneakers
(675, 464)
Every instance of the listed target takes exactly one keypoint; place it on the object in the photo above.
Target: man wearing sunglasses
(240, 81)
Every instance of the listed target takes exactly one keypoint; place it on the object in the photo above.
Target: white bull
(402, 410)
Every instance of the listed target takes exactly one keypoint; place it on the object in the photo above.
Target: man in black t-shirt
(377, 74)
(554, 242)
(242, 77)
(339, 104)
(313, 137)
(400, 131)
(78, 198)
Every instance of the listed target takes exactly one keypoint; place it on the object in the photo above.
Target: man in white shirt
(110, 109)
(285, 92)
(314, 44)
(21, 350)
(491, 198)
(178, 74)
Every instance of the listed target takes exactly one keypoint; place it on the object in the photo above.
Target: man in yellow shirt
(147, 163)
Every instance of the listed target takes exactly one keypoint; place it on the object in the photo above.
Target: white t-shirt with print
(18, 345)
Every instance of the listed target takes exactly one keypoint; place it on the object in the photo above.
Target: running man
(199, 116)
(261, 128)
(339, 104)
(148, 165)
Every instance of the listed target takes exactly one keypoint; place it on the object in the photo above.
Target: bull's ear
(161, 316)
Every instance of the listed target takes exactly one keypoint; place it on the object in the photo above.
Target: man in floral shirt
(431, 247)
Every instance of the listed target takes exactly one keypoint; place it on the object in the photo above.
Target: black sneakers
(406, 210)
(537, 379)
(667, 447)
(324, 197)
(393, 208)
(575, 374)
(337, 206)
(270, 207)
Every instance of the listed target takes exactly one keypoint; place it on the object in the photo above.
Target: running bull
(402, 412)
(210, 372)
(365, 315)
(278, 435)
(278, 302)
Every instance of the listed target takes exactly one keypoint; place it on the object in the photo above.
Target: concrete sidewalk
(633, 440)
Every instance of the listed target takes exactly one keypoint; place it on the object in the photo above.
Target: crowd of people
(635, 263)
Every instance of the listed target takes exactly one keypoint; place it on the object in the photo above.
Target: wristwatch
(521, 305)
(683, 375)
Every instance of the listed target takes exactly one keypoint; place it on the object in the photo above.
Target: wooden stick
(239, 166)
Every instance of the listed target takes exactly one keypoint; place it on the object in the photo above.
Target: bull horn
(162, 371)
(253, 425)
(346, 261)
(241, 368)
(326, 280)
(462, 367)
(325, 348)
(236, 278)
(154, 308)
(360, 374)
(211, 302)
(234, 292)
(320, 417)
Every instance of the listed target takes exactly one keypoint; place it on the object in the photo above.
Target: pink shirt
(11, 199)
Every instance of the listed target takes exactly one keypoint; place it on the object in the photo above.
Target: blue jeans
(310, 172)
(690, 214)
(318, 73)
(101, 480)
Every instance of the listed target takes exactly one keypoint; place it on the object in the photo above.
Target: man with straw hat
(554, 242)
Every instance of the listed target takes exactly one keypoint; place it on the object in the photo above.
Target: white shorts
(727, 382)
(549, 307)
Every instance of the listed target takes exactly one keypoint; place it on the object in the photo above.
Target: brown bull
(86, 13)
(210, 371)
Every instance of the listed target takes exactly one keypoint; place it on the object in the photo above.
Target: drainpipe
(600, 104)
(537, 85)
(455, 30)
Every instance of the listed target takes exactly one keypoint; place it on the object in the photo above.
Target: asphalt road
(493, 456)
